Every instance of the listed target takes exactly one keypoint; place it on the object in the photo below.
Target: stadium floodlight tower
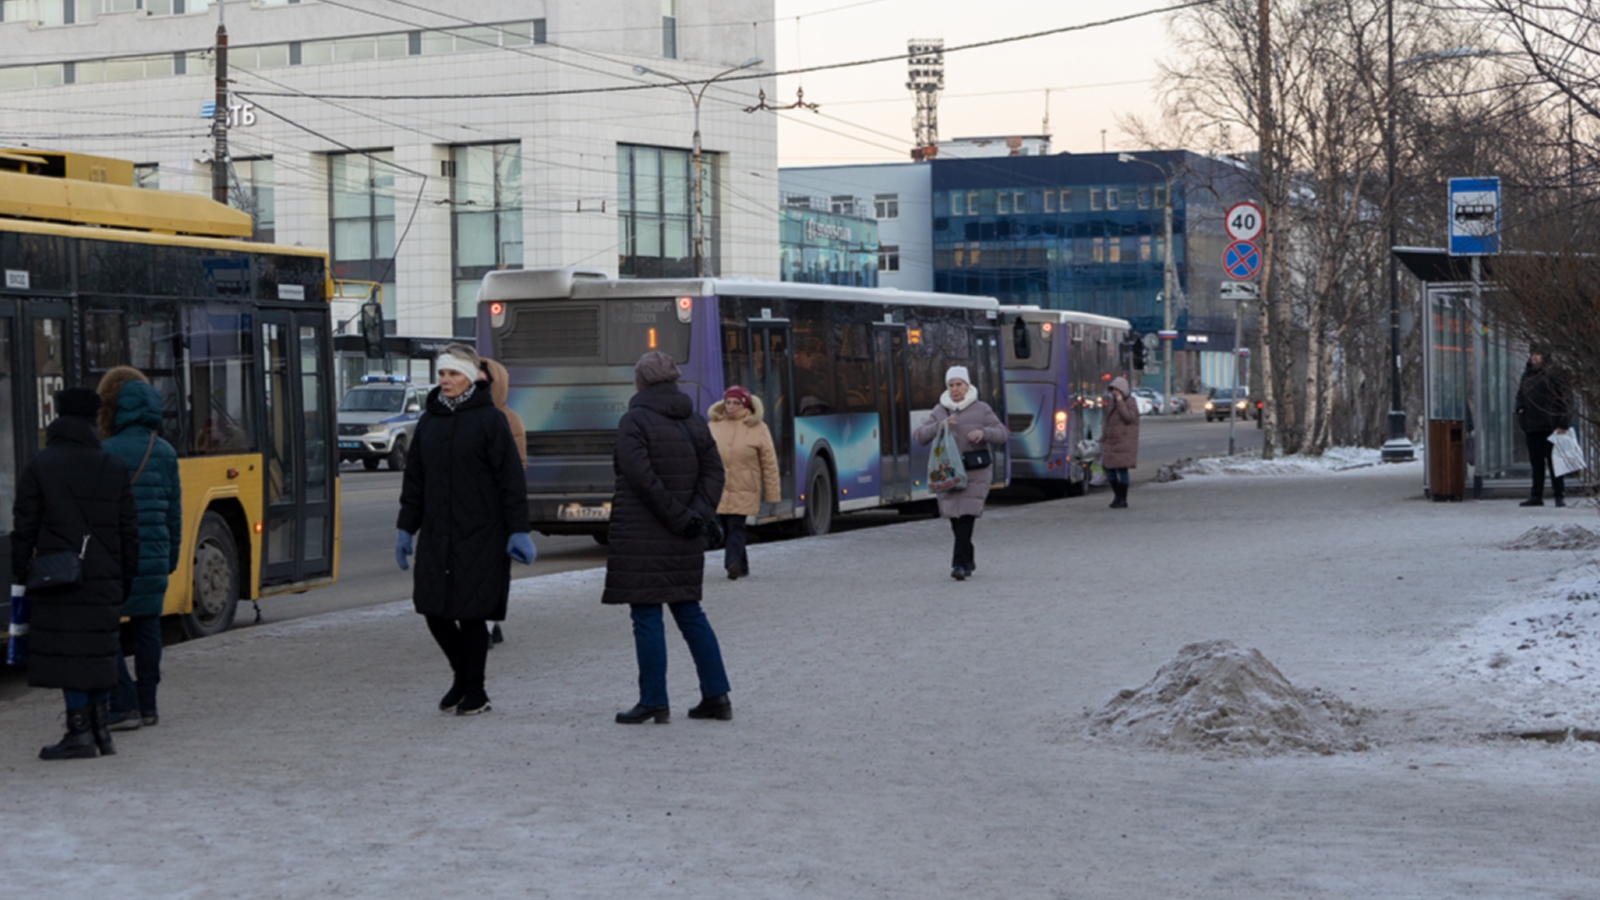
(925, 68)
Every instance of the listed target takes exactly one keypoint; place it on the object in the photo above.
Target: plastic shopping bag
(17, 638)
(945, 470)
(1565, 455)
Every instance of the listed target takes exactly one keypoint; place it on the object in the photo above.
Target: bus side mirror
(372, 329)
(1020, 347)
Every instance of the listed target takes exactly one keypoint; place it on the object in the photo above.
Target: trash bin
(1447, 459)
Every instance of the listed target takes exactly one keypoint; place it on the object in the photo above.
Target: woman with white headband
(465, 492)
(975, 427)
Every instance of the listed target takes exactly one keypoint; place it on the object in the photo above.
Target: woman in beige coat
(1119, 442)
(751, 465)
(975, 426)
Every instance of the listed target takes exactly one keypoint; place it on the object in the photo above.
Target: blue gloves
(520, 548)
(402, 548)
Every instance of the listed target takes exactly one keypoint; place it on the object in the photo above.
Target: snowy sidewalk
(896, 735)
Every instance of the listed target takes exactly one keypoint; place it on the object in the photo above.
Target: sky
(1093, 76)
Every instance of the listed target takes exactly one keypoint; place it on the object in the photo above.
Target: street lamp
(699, 213)
(1397, 448)
(1169, 277)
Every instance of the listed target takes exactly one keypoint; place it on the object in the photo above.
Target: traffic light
(1138, 354)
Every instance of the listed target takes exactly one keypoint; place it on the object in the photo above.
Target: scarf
(953, 406)
(453, 402)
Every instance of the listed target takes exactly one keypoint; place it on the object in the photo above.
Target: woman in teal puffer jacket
(130, 425)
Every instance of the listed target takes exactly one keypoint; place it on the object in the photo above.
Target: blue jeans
(140, 697)
(650, 644)
(1117, 476)
(82, 699)
(733, 554)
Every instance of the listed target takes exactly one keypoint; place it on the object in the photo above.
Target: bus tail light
(1046, 328)
(497, 314)
(1061, 424)
(258, 528)
(685, 307)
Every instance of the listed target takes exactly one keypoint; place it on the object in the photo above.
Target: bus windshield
(608, 332)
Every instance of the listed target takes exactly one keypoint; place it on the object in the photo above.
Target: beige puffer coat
(499, 385)
(748, 458)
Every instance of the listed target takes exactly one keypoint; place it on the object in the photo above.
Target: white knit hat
(456, 364)
(955, 372)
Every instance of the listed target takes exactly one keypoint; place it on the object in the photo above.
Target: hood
(1120, 384)
(109, 389)
(663, 398)
(138, 403)
(499, 382)
(718, 412)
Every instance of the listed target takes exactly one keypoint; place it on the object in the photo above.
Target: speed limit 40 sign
(1243, 221)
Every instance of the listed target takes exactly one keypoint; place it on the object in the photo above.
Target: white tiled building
(898, 195)
(542, 150)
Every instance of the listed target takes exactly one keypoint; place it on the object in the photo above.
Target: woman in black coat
(465, 491)
(669, 479)
(75, 497)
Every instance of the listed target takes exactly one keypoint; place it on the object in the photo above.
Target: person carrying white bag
(1543, 412)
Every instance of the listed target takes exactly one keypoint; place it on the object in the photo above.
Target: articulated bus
(845, 374)
(1057, 365)
(233, 334)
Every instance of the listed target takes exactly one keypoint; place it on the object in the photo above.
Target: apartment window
(1097, 199)
(655, 212)
(889, 258)
(886, 206)
(486, 219)
(361, 219)
(842, 204)
(1111, 198)
(669, 29)
(539, 33)
(256, 194)
(147, 175)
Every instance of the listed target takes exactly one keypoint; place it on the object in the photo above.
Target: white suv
(376, 420)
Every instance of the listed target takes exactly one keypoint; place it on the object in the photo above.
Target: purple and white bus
(844, 374)
(1057, 365)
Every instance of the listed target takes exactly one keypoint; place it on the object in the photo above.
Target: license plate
(349, 445)
(577, 512)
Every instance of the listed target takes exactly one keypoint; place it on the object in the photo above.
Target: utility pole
(219, 123)
(1397, 448)
(1269, 410)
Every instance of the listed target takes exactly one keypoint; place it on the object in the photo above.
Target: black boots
(641, 713)
(100, 726)
(718, 707)
(1120, 491)
(1532, 501)
(452, 697)
(79, 741)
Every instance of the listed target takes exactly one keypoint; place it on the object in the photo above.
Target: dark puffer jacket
(70, 487)
(1542, 401)
(156, 493)
(465, 491)
(663, 470)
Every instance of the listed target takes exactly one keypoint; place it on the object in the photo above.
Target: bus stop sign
(1474, 216)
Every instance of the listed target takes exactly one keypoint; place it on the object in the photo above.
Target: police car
(377, 418)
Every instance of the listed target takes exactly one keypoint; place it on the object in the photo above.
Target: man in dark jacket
(465, 490)
(74, 498)
(669, 479)
(1543, 408)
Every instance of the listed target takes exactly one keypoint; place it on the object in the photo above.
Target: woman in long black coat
(669, 479)
(465, 491)
(75, 497)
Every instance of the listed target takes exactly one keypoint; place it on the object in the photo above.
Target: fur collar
(947, 403)
(719, 413)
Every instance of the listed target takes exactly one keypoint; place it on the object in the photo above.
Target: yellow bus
(235, 336)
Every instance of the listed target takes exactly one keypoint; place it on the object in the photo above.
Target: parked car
(1221, 398)
(1143, 403)
(377, 419)
(1154, 399)
(1178, 403)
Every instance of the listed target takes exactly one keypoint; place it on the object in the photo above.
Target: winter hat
(78, 401)
(654, 367)
(1121, 384)
(955, 372)
(456, 361)
(737, 393)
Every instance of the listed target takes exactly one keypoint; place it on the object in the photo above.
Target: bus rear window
(1039, 346)
(613, 333)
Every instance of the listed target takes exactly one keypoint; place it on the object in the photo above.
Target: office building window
(486, 219)
(539, 33)
(655, 212)
(1066, 200)
(1002, 203)
(147, 175)
(361, 220)
(256, 194)
(669, 29)
(1111, 198)
(1049, 201)
(886, 206)
(1097, 199)
(972, 203)
(1159, 196)
(1144, 198)
(958, 205)
(1146, 249)
(889, 258)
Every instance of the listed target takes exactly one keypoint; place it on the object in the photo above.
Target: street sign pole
(1240, 293)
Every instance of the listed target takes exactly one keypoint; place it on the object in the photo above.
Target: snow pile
(1549, 537)
(1214, 697)
(1334, 459)
(1538, 659)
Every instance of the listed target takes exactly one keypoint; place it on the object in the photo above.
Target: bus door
(16, 396)
(43, 356)
(891, 358)
(771, 379)
(992, 390)
(299, 477)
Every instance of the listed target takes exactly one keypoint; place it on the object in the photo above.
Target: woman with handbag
(750, 463)
(669, 479)
(976, 429)
(75, 545)
(1119, 440)
(130, 419)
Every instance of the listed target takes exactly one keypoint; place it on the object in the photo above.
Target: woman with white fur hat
(975, 427)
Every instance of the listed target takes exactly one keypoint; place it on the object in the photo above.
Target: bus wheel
(216, 579)
(397, 456)
(819, 502)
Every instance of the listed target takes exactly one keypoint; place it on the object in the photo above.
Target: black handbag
(977, 459)
(57, 570)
